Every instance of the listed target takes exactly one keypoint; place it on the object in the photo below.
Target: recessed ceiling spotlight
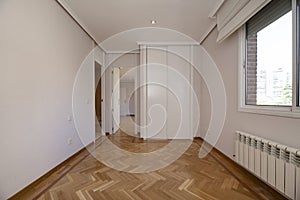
(153, 21)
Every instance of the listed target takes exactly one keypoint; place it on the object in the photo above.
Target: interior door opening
(115, 99)
(128, 77)
(122, 97)
(98, 101)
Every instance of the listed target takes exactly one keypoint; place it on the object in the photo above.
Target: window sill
(287, 112)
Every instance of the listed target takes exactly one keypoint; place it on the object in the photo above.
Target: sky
(275, 45)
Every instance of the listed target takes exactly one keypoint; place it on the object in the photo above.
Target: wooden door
(98, 96)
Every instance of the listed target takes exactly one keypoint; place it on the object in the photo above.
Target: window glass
(269, 58)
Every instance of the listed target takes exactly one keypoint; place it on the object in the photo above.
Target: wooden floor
(214, 177)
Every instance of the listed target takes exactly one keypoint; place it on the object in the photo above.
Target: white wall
(197, 87)
(83, 101)
(41, 50)
(123, 60)
(279, 129)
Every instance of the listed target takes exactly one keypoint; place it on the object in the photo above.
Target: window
(271, 72)
(269, 55)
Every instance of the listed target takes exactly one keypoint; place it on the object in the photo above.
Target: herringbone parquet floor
(187, 178)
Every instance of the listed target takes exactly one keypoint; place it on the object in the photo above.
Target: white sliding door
(156, 93)
(168, 93)
(178, 126)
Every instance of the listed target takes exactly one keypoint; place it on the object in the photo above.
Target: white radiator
(257, 156)
(251, 156)
(264, 160)
(280, 168)
(276, 164)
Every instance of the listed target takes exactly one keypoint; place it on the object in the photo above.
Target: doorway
(128, 100)
(116, 96)
(98, 101)
(115, 99)
(124, 100)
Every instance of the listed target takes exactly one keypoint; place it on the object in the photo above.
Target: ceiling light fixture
(153, 21)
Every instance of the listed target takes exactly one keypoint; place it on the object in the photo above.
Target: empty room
(150, 99)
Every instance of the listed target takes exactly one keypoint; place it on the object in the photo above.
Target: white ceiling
(104, 18)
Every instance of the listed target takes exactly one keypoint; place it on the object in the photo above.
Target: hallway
(127, 124)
